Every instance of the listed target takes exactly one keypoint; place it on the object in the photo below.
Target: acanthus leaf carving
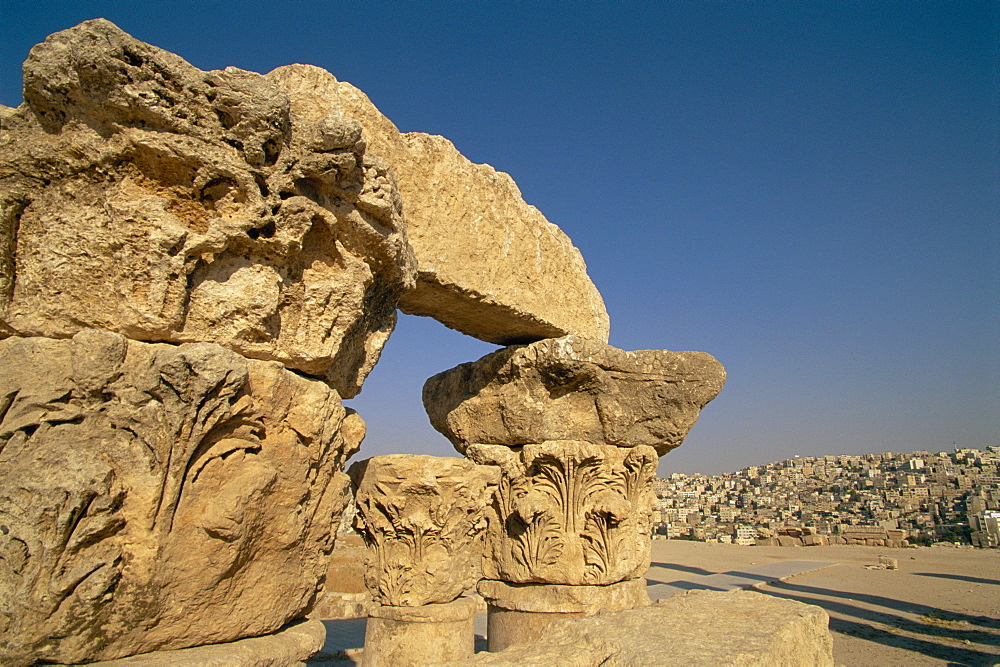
(422, 520)
(569, 512)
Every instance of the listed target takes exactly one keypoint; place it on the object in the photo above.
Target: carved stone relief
(146, 485)
(422, 518)
(569, 512)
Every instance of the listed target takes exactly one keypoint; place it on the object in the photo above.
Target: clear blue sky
(807, 190)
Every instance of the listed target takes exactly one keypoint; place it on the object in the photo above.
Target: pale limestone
(563, 599)
(571, 388)
(291, 645)
(429, 634)
(520, 613)
(490, 265)
(144, 196)
(422, 519)
(156, 496)
(699, 628)
(569, 512)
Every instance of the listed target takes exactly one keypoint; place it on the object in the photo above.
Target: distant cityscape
(875, 499)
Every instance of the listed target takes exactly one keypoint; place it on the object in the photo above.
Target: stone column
(422, 518)
(569, 534)
(575, 426)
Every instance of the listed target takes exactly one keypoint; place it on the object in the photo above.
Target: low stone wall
(697, 628)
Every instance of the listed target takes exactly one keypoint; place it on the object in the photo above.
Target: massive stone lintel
(569, 513)
(422, 518)
(573, 389)
(157, 496)
(489, 264)
(144, 196)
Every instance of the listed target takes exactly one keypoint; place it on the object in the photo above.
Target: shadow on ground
(933, 632)
(959, 577)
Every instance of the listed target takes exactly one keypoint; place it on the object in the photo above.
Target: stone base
(432, 633)
(519, 613)
(291, 645)
(697, 628)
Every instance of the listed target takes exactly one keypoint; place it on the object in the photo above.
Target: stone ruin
(195, 269)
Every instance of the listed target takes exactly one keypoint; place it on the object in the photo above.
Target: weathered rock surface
(490, 265)
(569, 513)
(155, 496)
(699, 628)
(141, 195)
(573, 389)
(422, 518)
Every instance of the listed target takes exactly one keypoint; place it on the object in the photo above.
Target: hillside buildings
(876, 499)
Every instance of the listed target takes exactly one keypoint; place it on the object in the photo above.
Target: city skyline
(805, 191)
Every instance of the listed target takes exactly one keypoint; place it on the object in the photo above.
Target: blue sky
(807, 190)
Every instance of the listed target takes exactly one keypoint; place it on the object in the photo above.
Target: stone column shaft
(422, 520)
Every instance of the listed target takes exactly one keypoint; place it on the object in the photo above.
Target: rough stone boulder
(141, 195)
(571, 388)
(157, 496)
(489, 264)
(698, 628)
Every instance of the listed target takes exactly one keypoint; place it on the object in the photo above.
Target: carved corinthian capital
(569, 512)
(422, 518)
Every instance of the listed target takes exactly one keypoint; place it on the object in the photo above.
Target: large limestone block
(573, 389)
(156, 496)
(490, 265)
(144, 196)
(422, 518)
(699, 628)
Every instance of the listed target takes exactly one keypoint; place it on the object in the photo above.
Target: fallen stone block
(697, 628)
(157, 496)
(291, 645)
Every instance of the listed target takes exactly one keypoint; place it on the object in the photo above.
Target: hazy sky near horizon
(809, 191)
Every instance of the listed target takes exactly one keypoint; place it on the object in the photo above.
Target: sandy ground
(941, 607)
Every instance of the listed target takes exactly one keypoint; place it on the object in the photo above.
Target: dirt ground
(941, 607)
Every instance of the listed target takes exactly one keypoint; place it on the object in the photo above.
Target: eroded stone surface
(490, 265)
(155, 496)
(422, 518)
(144, 196)
(698, 628)
(573, 389)
(569, 512)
